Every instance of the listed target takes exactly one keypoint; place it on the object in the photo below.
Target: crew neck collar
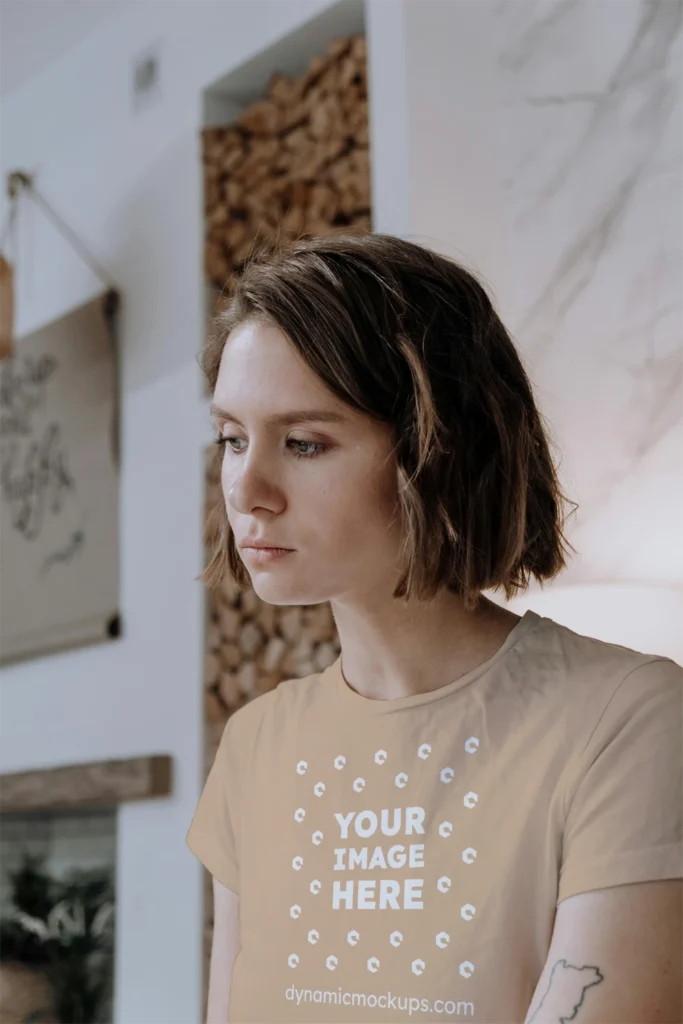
(361, 705)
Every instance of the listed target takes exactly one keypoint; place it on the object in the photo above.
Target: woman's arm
(224, 949)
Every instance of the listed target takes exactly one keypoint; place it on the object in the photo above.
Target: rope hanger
(18, 181)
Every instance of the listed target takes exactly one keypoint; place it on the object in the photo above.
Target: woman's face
(324, 487)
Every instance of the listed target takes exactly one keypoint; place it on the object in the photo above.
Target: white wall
(130, 186)
(35, 34)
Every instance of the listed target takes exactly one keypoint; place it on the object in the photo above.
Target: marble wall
(589, 129)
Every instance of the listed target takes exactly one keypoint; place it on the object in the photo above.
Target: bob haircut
(409, 337)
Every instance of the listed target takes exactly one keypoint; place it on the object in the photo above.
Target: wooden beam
(92, 784)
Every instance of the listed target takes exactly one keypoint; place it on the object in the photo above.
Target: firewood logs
(293, 163)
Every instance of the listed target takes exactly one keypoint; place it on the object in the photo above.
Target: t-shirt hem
(226, 874)
(648, 865)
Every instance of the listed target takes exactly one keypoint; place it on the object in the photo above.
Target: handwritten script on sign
(59, 547)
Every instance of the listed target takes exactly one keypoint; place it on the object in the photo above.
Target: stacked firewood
(294, 163)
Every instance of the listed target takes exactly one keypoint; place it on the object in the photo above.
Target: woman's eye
(315, 448)
(225, 441)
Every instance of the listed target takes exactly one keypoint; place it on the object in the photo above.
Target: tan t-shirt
(402, 860)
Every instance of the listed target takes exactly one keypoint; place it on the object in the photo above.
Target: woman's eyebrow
(286, 418)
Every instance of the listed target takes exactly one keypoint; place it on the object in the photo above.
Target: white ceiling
(35, 32)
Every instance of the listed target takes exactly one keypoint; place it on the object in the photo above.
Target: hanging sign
(59, 484)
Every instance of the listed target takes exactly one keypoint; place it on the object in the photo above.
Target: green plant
(66, 926)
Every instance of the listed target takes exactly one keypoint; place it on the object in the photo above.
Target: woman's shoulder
(559, 647)
(289, 697)
(587, 675)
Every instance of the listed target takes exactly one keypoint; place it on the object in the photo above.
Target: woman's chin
(283, 592)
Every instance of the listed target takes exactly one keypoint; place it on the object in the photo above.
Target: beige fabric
(402, 860)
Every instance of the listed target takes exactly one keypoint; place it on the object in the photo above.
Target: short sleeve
(212, 835)
(625, 818)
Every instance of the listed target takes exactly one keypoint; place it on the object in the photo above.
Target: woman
(417, 832)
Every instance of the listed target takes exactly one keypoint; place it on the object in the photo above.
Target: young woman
(470, 814)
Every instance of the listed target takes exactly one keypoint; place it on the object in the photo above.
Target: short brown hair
(410, 337)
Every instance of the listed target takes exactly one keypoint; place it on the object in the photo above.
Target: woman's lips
(266, 555)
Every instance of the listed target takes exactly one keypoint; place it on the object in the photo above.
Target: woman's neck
(406, 648)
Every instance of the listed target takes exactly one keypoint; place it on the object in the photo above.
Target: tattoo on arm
(573, 982)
